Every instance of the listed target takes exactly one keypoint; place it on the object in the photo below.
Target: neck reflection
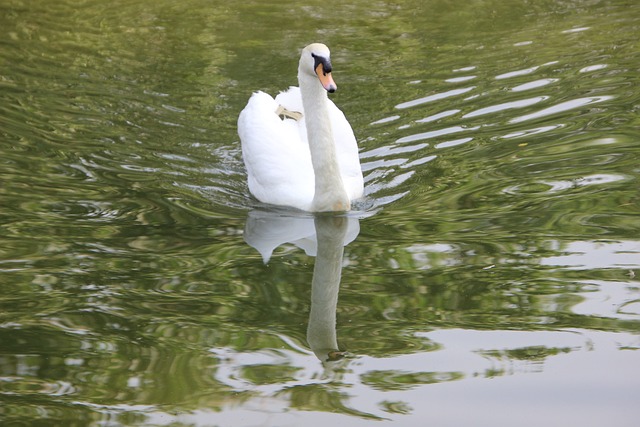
(323, 236)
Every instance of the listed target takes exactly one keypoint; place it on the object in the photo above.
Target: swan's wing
(347, 151)
(277, 159)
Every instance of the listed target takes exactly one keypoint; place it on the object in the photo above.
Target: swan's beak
(326, 79)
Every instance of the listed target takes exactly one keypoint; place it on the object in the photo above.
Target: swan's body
(311, 163)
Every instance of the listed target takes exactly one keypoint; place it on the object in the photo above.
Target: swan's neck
(330, 194)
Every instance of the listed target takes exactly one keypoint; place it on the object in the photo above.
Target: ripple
(533, 85)
(460, 79)
(589, 255)
(609, 299)
(600, 179)
(630, 308)
(438, 116)
(453, 143)
(530, 188)
(29, 386)
(436, 133)
(381, 165)
(464, 69)
(533, 131)
(516, 73)
(506, 106)
(434, 97)
(419, 161)
(591, 68)
(561, 107)
(524, 71)
(555, 186)
(385, 120)
(388, 151)
(384, 166)
(399, 179)
(576, 30)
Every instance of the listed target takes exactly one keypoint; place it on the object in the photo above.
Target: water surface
(488, 277)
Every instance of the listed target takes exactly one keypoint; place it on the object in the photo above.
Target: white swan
(309, 162)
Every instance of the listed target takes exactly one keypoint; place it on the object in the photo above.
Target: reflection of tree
(403, 380)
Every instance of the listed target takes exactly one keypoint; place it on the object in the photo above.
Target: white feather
(277, 155)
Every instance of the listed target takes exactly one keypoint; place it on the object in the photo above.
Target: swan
(299, 149)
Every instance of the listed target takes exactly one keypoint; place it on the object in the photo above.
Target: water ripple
(438, 116)
(506, 106)
(487, 113)
(533, 84)
(561, 107)
(434, 97)
(435, 133)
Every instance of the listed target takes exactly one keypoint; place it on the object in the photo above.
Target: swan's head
(315, 61)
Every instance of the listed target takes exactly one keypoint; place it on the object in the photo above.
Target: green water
(490, 275)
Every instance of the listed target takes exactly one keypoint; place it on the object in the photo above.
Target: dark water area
(488, 277)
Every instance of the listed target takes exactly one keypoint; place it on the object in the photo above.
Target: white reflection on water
(575, 30)
(470, 68)
(591, 255)
(460, 79)
(453, 143)
(506, 106)
(390, 150)
(516, 73)
(563, 106)
(533, 131)
(435, 97)
(563, 380)
(438, 116)
(533, 85)
(555, 186)
(611, 299)
(385, 120)
(523, 72)
(591, 68)
(418, 162)
(435, 133)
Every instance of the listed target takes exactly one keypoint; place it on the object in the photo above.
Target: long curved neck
(330, 194)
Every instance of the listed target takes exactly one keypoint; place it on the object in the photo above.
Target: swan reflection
(323, 236)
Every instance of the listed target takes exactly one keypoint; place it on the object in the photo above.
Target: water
(489, 275)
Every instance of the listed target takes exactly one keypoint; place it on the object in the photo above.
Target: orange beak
(325, 79)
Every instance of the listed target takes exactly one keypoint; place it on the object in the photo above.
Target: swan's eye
(321, 60)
